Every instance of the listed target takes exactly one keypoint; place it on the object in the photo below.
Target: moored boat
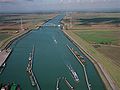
(74, 74)
(3, 65)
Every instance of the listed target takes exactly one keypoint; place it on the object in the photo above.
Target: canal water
(50, 59)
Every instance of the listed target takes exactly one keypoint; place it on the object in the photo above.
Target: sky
(63, 5)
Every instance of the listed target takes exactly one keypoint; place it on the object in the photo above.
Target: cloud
(29, 0)
(7, 1)
(41, 5)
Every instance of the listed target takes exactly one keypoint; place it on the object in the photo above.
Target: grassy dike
(5, 43)
(107, 70)
(9, 40)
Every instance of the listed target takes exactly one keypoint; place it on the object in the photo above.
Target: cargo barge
(74, 74)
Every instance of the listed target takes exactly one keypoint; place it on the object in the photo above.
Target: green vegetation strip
(99, 20)
(4, 36)
(98, 37)
(7, 41)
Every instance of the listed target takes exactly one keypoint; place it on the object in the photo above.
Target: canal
(50, 59)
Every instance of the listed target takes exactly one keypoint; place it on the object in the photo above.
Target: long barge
(74, 74)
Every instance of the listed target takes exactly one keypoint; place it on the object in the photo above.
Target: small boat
(30, 57)
(7, 87)
(15, 87)
(76, 53)
(82, 57)
(3, 65)
(2, 68)
(83, 61)
(3, 88)
(18, 87)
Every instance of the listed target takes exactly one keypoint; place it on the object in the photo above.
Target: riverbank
(5, 44)
(11, 28)
(10, 40)
(109, 83)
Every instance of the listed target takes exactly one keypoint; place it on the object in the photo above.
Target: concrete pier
(4, 55)
(32, 80)
(30, 70)
(68, 84)
(57, 85)
(2, 68)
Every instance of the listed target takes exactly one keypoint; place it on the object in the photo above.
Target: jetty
(2, 68)
(29, 69)
(69, 85)
(85, 72)
(4, 55)
(57, 84)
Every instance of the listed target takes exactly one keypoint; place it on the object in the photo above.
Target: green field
(99, 20)
(4, 36)
(97, 37)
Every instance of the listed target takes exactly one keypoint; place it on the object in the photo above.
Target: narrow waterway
(50, 59)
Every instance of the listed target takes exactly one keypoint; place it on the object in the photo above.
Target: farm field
(108, 51)
(12, 22)
(93, 21)
(99, 35)
(4, 36)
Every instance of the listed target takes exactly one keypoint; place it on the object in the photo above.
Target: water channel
(50, 59)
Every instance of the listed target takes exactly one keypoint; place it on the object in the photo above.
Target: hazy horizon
(58, 5)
